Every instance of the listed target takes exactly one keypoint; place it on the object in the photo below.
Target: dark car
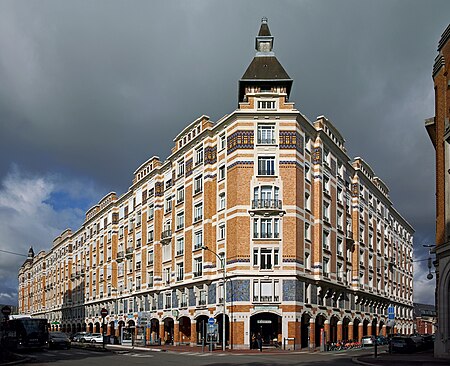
(382, 340)
(403, 344)
(58, 340)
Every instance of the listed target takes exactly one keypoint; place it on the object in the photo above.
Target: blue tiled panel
(212, 294)
(293, 290)
(160, 301)
(238, 290)
(174, 299)
(191, 297)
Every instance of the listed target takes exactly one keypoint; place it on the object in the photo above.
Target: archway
(356, 329)
(168, 330)
(219, 321)
(319, 326)
(345, 324)
(374, 327)
(333, 329)
(184, 326)
(112, 331)
(120, 326)
(305, 331)
(365, 324)
(91, 328)
(266, 324)
(97, 327)
(202, 321)
(79, 327)
(154, 331)
(380, 327)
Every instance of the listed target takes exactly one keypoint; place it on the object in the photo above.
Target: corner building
(312, 245)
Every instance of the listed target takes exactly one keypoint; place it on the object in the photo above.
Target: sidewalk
(425, 358)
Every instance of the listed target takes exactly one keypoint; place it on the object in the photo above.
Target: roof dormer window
(266, 104)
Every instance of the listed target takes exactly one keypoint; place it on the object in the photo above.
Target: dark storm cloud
(91, 89)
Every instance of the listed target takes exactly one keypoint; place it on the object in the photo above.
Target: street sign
(391, 313)
(6, 310)
(211, 321)
(103, 312)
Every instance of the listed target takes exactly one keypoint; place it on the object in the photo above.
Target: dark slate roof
(264, 30)
(265, 68)
(424, 310)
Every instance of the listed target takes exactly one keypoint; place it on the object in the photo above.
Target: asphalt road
(83, 357)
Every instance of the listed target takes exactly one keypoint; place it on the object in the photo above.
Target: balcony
(266, 235)
(129, 252)
(166, 236)
(120, 256)
(267, 207)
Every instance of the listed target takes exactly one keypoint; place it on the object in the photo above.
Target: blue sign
(391, 313)
(211, 321)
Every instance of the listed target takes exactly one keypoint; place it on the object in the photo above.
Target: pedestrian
(259, 341)
(253, 344)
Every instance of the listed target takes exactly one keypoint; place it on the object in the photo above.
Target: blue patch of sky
(61, 200)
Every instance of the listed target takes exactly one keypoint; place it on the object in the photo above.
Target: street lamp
(222, 262)
(432, 250)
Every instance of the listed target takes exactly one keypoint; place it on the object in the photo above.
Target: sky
(89, 90)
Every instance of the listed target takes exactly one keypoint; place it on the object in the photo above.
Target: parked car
(428, 340)
(92, 338)
(58, 340)
(382, 340)
(77, 336)
(368, 341)
(403, 344)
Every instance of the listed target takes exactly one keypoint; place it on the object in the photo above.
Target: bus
(25, 332)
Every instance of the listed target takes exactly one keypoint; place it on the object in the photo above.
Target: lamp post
(432, 250)
(222, 262)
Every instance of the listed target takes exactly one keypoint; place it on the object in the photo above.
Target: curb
(359, 362)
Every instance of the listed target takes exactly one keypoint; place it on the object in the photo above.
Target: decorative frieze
(240, 140)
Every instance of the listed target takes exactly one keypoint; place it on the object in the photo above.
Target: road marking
(141, 355)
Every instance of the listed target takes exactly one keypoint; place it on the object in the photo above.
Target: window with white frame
(166, 252)
(222, 142)
(198, 211)
(339, 245)
(180, 271)
(326, 211)
(179, 246)
(180, 220)
(266, 134)
(266, 228)
(198, 266)
(308, 143)
(198, 239)
(166, 275)
(339, 273)
(180, 194)
(150, 258)
(199, 155)
(307, 261)
(202, 297)
(150, 234)
(326, 185)
(221, 233)
(266, 165)
(266, 290)
(266, 258)
(221, 201)
(340, 220)
(222, 172)
(339, 195)
(168, 300)
(326, 266)
(326, 240)
(168, 204)
(198, 184)
(180, 167)
(308, 172)
(184, 299)
(266, 197)
(150, 278)
(326, 156)
(151, 211)
(307, 231)
(266, 104)
(308, 201)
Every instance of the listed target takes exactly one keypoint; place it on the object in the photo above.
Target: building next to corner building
(313, 246)
(438, 128)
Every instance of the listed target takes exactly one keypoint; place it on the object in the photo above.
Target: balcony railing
(266, 235)
(129, 252)
(120, 255)
(166, 235)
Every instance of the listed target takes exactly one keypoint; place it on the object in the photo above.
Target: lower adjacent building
(438, 128)
(257, 223)
(424, 318)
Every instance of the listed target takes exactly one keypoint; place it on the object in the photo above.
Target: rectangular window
(180, 195)
(151, 211)
(180, 220)
(307, 231)
(326, 211)
(222, 172)
(198, 212)
(150, 258)
(266, 291)
(266, 134)
(326, 240)
(308, 173)
(326, 266)
(266, 104)
(166, 252)
(221, 201)
(266, 258)
(266, 165)
(180, 271)
(180, 246)
(198, 266)
(222, 142)
(326, 185)
(198, 184)
(168, 300)
(180, 168)
(221, 232)
(266, 228)
(198, 239)
(168, 204)
(199, 155)
(307, 201)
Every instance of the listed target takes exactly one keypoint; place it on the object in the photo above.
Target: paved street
(76, 356)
